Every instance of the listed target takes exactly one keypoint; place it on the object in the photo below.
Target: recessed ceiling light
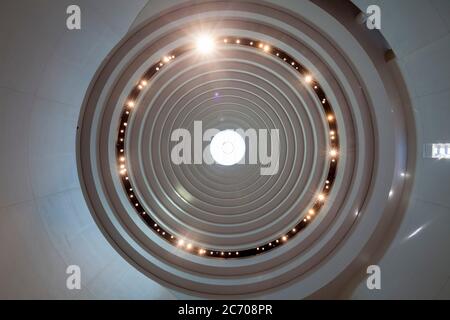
(205, 44)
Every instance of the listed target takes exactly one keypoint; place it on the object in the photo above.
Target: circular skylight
(227, 147)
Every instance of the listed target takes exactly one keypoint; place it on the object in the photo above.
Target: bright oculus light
(205, 44)
(227, 147)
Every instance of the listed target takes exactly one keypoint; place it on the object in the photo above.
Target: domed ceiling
(224, 149)
(313, 164)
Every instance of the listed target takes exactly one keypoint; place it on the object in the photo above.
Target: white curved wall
(44, 222)
(417, 262)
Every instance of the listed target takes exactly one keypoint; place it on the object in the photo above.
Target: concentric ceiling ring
(272, 69)
(143, 210)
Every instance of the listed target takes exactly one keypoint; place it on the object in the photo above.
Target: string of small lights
(206, 45)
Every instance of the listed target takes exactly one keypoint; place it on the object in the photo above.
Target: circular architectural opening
(227, 148)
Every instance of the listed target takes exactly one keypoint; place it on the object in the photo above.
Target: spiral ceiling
(219, 230)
